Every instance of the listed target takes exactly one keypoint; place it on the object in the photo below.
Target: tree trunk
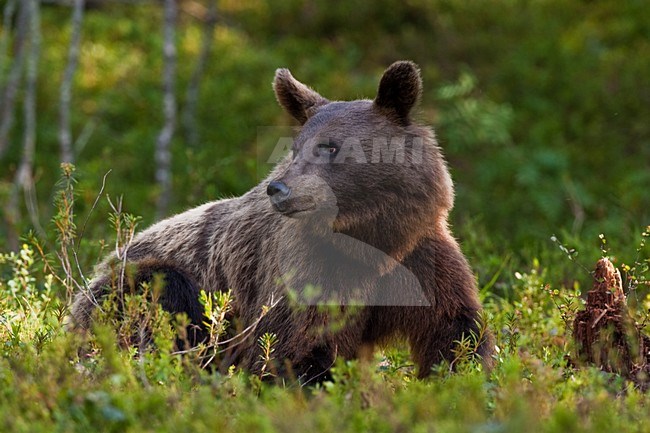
(65, 134)
(163, 143)
(7, 17)
(12, 83)
(24, 180)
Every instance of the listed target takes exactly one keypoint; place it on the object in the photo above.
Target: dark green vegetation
(542, 109)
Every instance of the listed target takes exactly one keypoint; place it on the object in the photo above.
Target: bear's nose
(278, 191)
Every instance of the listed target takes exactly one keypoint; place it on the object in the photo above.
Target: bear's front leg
(450, 287)
(309, 338)
(435, 342)
(302, 350)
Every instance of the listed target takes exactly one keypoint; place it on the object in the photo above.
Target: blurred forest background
(542, 107)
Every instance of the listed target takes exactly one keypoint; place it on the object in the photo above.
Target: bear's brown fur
(358, 210)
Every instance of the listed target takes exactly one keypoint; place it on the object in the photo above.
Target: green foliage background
(541, 107)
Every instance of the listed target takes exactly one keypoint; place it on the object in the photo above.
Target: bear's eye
(328, 149)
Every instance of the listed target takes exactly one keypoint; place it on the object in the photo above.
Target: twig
(240, 336)
(99, 194)
(121, 251)
(322, 373)
(600, 316)
(75, 248)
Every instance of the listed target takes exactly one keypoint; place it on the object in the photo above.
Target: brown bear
(352, 224)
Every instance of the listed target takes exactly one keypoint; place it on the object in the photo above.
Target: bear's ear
(399, 90)
(296, 98)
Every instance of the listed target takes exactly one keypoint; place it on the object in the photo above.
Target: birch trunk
(24, 179)
(163, 143)
(12, 83)
(65, 134)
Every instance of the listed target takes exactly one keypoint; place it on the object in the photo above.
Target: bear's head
(379, 175)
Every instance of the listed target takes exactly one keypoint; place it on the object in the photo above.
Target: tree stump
(605, 333)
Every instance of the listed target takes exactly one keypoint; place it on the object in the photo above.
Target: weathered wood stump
(605, 333)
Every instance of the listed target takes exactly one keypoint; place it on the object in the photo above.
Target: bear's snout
(279, 192)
